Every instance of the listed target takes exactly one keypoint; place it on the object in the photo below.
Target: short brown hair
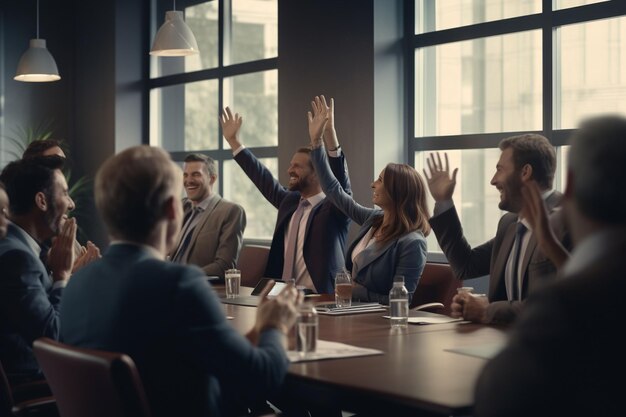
(535, 150)
(38, 147)
(131, 189)
(209, 163)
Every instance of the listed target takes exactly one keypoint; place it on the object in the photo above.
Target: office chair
(252, 262)
(27, 399)
(437, 284)
(89, 382)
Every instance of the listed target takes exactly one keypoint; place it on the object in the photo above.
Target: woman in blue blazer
(392, 238)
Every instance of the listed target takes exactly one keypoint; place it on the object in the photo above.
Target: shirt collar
(150, 249)
(314, 200)
(32, 243)
(204, 204)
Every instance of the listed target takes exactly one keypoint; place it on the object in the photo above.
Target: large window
(236, 67)
(482, 70)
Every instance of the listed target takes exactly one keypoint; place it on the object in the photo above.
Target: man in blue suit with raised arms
(310, 234)
(166, 316)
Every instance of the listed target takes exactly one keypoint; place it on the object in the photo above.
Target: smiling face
(60, 204)
(507, 180)
(301, 174)
(197, 182)
(4, 213)
(380, 196)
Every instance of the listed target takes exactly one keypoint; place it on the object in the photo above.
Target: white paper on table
(331, 350)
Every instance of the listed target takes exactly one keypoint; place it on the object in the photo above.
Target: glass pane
(254, 31)
(260, 215)
(184, 117)
(565, 4)
(484, 85)
(476, 200)
(202, 19)
(255, 97)
(431, 15)
(591, 71)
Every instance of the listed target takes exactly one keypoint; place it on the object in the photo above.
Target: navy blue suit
(167, 318)
(326, 229)
(28, 305)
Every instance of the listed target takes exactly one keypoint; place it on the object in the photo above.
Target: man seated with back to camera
(164, 315)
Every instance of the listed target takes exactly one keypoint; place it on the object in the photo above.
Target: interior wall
(325, 47)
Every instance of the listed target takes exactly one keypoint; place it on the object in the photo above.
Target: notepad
(332, 350)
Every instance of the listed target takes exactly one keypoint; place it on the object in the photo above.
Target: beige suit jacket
(217, 238)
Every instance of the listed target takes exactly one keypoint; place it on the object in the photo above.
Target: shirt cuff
(442, 206)
(59, 284)
(239, 149)
(336, 153)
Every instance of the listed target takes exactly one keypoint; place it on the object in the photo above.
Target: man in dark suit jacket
(524, 158)
(564, 357)
(164, 315)
(320, 253)
(212, 237)
(29, 297)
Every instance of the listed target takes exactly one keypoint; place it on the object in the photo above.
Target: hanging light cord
(37, 19)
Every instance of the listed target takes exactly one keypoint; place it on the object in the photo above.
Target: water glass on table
(343, 289)
(233, 281)
(306, 329)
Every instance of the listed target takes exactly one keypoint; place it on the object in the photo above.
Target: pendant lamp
(37, 64)
(174, 37)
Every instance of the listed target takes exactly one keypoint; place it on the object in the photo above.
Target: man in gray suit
(563, 357)
(212, 233)
(516, 267)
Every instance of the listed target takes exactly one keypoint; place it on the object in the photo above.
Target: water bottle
(306, 328)
(399, 303)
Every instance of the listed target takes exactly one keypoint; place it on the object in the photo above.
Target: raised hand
(317, 121)
(330, 134)
(230, 127)
(534, 210)
(61, 256)
(440, 184)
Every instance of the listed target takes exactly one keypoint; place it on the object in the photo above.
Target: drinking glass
(343, 289)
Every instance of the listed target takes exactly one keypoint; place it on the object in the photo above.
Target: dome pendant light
(37, 64)
(174, 37)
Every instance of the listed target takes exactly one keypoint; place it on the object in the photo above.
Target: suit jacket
(376, 265)
(168, 319)
(326, 228)
(28, 305)
(563, 357)
(491, 257)
(217, 238)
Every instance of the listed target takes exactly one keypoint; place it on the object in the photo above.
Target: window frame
(219, 73)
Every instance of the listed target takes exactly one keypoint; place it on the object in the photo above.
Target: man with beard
(515, 265)
(310, 234)
(29, 297)
(212, 233)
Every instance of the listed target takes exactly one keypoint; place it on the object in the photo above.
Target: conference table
(424, 369)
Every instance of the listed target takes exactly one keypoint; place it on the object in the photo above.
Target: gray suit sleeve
(230, 242)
